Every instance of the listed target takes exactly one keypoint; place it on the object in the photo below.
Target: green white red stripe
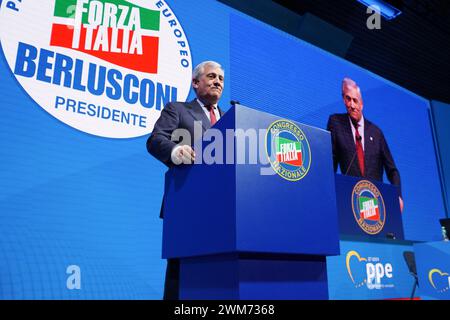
(113, 30)
(368, 208)
(289, 152)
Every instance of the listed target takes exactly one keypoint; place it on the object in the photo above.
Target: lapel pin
(371, 139)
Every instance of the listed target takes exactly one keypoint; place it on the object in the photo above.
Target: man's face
(353, 102)
(209, 85)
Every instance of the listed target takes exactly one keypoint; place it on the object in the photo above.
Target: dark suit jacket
(377, 155)
(175, 115)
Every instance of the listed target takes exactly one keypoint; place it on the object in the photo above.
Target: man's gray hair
(347, 82)
(200, 68)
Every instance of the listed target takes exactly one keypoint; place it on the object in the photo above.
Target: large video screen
(278, 73)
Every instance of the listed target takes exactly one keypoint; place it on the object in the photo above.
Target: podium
(371, 264)
(368, 208)
(245, 227)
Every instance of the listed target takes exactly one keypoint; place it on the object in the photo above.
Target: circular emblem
(105, 67)
(368, 207)
(288, 150)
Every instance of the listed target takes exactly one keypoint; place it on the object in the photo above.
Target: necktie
(212, 115)
(359, 149)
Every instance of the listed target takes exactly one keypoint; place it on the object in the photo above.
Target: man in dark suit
(359, 146)
(174, 135)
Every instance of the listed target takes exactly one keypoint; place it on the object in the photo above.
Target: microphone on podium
(359, 138)
(234, 102)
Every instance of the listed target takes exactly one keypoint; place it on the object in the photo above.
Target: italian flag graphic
(289, 152)
(113, 30)
(368, 209)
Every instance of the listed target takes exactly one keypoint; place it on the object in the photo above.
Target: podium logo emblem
(104, 67)
(368, 207)
(288, 150)
(439, 280)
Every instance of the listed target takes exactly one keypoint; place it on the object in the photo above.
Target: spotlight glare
(387, 10)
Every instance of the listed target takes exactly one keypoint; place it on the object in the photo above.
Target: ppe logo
(439, 280)
(105, 67)
(368, 207)
(369, 272)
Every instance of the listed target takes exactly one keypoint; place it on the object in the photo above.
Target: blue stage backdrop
(79, 194)
(441, 115)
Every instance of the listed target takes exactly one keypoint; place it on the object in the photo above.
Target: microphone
(390, 235)
(234, 102)
(359, 138)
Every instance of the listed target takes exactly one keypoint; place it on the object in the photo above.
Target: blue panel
(374, 271)
(391, 218)
(200, 207)
(433, 269)
(212, 277)
(257, 278)
(278, 215)
(294, 279)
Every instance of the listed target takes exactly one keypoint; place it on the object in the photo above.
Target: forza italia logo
(368, 207)
(123, 34)
(288, 150)
(105, 67)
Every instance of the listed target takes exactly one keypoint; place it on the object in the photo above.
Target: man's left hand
(401, 204)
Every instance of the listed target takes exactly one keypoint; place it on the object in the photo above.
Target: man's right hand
(183, 154)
